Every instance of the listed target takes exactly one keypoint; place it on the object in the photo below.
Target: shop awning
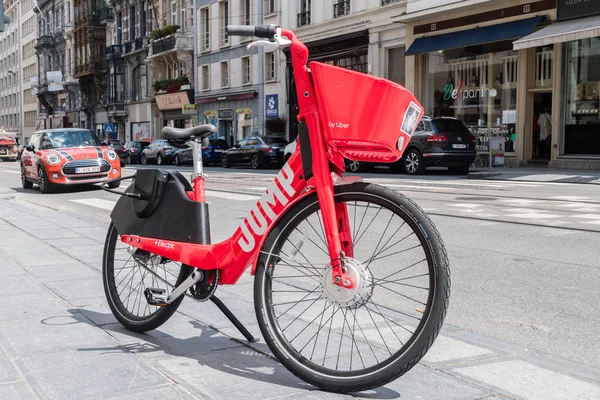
(560, 32)
(470, 37)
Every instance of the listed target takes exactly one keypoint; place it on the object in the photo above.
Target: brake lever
(262, 42)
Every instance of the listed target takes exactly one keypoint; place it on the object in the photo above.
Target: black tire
(130, 321)
(24, 182)
(225, 161)
(177, 160)
(144, 160)
(114, 185)
(43, 183)
(255, 162)
(411, 352)
(413, 162)
(461, 170)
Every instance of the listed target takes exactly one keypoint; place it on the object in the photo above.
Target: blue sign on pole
(272, 105)
(110, 131)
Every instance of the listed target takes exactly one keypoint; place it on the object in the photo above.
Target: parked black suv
(440, 142)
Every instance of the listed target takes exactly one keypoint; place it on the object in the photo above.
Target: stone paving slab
(74, 348)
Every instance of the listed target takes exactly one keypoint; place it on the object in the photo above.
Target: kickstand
(233, 319)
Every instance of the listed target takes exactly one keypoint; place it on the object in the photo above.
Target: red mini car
(67, 156)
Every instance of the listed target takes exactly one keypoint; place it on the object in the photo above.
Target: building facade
(170, 65)
(18, 66)
(232, 81)
(354, 34)
(50, 52)
(505, 68)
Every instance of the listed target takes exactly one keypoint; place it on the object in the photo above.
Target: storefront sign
(272, 108)
(54, 81)
(188, 109)
(59, 111)
(247, 111)
(172, 101)
(210, 117)
(225, 114)
(481, 93)
(568, 9)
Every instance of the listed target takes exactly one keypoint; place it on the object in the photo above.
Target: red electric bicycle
(351, 280)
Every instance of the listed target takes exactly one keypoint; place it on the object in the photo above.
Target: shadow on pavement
(207, 346)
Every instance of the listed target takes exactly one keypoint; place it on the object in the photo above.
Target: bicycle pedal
(156, 297)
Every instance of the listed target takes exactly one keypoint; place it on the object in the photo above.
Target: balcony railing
(164, 44)
(341, 8)
(128, 47)
(119, 109)
(44, 41)
(139, 95)
(90, 68)
(140, 43)
(386, 2)
(303, 19)
(114, 51)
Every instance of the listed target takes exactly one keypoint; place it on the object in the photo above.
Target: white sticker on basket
(400, 143)
(411, 118)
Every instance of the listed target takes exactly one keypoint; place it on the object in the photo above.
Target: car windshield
(450, 126)
(274, 140)
(63, 139)
(115, 143)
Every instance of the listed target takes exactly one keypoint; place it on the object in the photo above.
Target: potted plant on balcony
(184, 82)
(161, 86)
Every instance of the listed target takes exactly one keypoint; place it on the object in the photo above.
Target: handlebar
(260, 31)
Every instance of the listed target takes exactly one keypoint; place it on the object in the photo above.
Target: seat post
(198, 175)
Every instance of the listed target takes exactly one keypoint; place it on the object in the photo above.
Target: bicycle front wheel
(353, 340)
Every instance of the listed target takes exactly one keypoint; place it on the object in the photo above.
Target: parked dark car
(159, 152)
(211, 154)
(258, 151)
(439, 142)
(134, 151)
(118, 148)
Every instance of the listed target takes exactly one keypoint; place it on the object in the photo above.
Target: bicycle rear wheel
(353, 340)
(127, 272)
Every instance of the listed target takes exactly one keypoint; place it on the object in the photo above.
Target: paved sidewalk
(58, 339)
(537, 174)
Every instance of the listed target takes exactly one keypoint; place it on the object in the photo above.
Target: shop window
(224, 73)
(246, 70)
(582, 111)
(477, 85)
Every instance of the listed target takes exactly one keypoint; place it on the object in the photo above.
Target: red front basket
(364, 117)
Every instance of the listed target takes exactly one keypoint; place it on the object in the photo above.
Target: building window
(479, 89)
(304, 7)
(139, 83)
(224, 13)
(396, 65)
(246, 70)
(205, 29)
(270, 68)
(341, 8)
(582, 97)
(269, 6)
(173, 13)
(205, 77)
(182, 21)
(224, 73)
(245, 12)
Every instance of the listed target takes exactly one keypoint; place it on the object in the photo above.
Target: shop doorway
(226, 131)
(541, 127)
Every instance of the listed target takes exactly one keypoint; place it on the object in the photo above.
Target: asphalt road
(523, 258)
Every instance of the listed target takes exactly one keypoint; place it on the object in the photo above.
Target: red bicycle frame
(234, 255)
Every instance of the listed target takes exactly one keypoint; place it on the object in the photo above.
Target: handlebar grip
(260, 31)
(241, 30)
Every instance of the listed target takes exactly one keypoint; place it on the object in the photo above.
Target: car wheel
(159, 160)
(177, 162)
(461, 170)
(144, 160)
(354, 166)
(254, 163)
(413, 162)
(128, 159)
(224, 161)
(24, 182)
(43, 183)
